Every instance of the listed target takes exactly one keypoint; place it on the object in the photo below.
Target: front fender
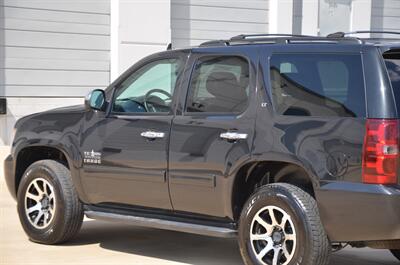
(56, 130)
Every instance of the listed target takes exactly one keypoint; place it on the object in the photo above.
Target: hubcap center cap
(45, 203)
(278, 237)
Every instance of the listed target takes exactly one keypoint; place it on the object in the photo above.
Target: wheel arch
(254, 174)
(30, 153)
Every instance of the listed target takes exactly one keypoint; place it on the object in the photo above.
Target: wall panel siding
(41, 92)
(56, 16)
(81, 6)
(54, 48)
(386, 15)
(47, 77)
(55, 64)
(28, 38)
(2, 57)
(195, 21)
(46, 53)
(56, 27)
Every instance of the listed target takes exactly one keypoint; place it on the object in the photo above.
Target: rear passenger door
(213, 133)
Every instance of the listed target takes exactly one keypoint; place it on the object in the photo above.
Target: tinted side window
(318, 85)
(148, 89)
(392, 61)
(219, 85)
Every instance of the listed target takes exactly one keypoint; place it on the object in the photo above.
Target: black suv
(290, 143)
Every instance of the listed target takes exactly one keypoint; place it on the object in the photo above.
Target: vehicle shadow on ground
(161, 244)
(188, 248)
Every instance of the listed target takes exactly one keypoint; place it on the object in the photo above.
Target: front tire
(48, 206)
(280, 225)
(396, 253)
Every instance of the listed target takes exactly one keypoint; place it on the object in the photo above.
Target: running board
(198, 229)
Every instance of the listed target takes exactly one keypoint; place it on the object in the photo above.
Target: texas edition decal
(91, 157)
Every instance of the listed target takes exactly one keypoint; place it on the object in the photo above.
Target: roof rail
(249, 36)
(344, 34)
(214, 43)
(278, 38)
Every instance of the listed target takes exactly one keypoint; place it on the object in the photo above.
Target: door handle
(233, 136)
(152, 134)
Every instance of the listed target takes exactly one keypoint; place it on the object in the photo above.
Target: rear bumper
(9, 175)
(360, 212)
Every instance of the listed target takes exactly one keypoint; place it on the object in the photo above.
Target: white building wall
(310, 17)
(197, 21)
(385, 15)
(144, 27)
(361, 15)
(53, 52)
(364, 15)
(281, 16)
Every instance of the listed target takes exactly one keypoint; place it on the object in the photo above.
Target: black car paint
(201, 165)
(202, 183)
(131, 164)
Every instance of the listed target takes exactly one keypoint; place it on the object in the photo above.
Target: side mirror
(95, 100)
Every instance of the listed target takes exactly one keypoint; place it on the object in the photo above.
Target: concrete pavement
(112, 243)
(4, 150)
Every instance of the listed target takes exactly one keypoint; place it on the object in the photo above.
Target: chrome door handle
(152, 134)
(233, 136)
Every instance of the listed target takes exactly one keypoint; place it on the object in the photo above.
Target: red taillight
(381, 151)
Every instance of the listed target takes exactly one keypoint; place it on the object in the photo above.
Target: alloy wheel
(40, 203)
(273, 236)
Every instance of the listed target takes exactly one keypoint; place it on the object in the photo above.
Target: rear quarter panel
(329, 149)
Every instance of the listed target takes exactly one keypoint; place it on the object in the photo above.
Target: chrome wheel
(273, 236)
(40, 203)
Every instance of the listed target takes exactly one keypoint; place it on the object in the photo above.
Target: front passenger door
(132, 140)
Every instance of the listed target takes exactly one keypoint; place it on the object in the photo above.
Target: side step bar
(164, 224)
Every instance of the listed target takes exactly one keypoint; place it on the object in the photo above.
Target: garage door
(54, 48)
(196, 21)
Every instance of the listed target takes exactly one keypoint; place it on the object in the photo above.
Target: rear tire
(280, 225)
(48, 206)
(396, 253)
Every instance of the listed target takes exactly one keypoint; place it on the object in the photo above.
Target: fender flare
(72, 155)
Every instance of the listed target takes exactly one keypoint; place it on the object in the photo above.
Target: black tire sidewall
(284, 200)
(51, 233)
(396, 253)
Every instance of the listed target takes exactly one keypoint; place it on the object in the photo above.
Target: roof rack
(215, 43)
(249, 36)
(277, 38)
(344, 34)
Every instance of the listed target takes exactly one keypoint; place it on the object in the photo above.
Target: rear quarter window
(392, 61)
(318, 85)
